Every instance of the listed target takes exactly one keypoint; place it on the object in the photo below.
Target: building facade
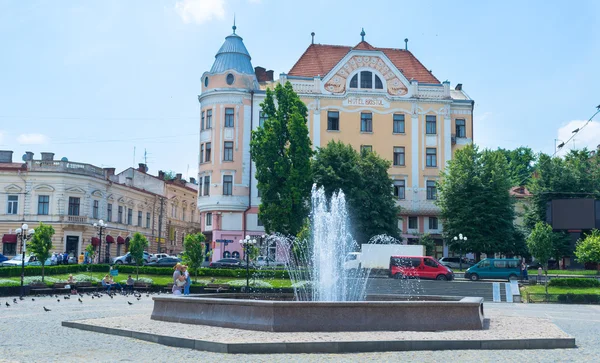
(379, 99)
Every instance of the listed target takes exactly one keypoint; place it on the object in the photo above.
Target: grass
(568, 272)
(158, 280)
(539, 289)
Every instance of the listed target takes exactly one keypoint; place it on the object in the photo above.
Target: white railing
(304, 86)
(67, 167)
(418, 203)
(74, 219)
(434, 92)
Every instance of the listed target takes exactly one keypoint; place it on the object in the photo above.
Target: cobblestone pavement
(29, 334)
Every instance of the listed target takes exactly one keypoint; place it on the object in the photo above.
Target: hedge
(579, 299)
(51, 270)
(574, 282)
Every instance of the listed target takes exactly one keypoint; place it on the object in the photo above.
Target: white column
(317, 125)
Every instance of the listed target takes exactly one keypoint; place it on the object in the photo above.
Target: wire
(577, 131)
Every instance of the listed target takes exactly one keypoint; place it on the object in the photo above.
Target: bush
(574, 282)
(579, 298)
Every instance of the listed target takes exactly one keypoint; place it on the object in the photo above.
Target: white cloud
(32, 139)
(200, 11)
(254, 1)
(588, 137)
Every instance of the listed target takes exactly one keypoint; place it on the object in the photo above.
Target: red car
(423, 267)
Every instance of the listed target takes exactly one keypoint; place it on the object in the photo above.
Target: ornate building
(380, 99)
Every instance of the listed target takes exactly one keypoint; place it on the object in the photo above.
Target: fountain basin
(279, 313)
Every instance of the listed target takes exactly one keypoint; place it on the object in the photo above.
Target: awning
(120, 240)
(9, 238)
(110, 239)
(95, 241)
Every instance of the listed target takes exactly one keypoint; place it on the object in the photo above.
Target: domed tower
(229, 109)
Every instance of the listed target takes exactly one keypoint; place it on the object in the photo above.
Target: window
(147, 219)
(433, 223)
(378, 83)
(192, 219)
(430, 125)
(9, 249)
(367, 148)
(227, 184)
(366, 122)
(129, 216)
(95, 209)
(366, 79)
(109, 212)
(13, 204)
(461, 130)
(74, 206)
(354, 81)
(120, 214)
(183, 214)
(229, 117)
(139, 218)
(413, 223)
(333, 121)
(208, 152)
(399, 156)
(499, 264)
(205, 81)
(207, 185)
(259, 222)
(173, 211)
(431, 155)
(400, 189)
(229, 79)
(430, 263)
(43, 204)
(201, 153)
(208, 119)
(202, 121)
(208, 219)
(431, 190)
(262, 117)
(398, 123)
(228, 152)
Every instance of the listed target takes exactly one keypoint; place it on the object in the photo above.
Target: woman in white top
(176, 290)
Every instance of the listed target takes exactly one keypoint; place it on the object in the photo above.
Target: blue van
(494, 268)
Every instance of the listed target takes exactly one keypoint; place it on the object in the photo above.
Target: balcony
(416, 202)
(66, 167)
(74, 219)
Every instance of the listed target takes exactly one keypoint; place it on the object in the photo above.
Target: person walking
(188, 280)
(65, 258)
(524, 275)
(53, 259)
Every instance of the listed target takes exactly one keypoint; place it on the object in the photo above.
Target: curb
(330, 347)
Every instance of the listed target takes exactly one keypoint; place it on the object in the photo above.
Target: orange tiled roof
(319, 59)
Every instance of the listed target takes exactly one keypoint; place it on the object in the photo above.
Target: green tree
(426, 240)
(540, 243)
(473, 195)
(281, 149)
(40, 244)
(194, 251)
(588, 250)
(91, 250)
(367, 186)
(137, 245)
(521, 164)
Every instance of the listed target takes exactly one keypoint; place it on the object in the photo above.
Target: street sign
(226, 241)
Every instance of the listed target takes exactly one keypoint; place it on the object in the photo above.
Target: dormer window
(366, 79)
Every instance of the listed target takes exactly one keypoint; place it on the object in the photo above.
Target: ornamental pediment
(75, 190)
(346, 73)
(44, 188)
(97, 193)
(13, 188)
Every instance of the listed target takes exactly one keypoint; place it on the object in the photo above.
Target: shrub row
(574, 282)
(51, 270)
(579, 299)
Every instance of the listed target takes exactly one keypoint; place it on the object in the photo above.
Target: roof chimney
(269, 75)
(458, 87)
(178, 176)
(405, 43)
(28, 156)
(6, 156)
(313, 38)
(192, 180)
(161, 175)
(108, 172)
(47, 156)
(142, 167)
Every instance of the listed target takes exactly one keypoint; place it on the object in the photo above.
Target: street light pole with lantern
(246, 244)
(462, 239)
(24, 233)
(101, 227)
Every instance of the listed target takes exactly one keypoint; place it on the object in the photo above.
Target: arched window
(366, 80)
(226, 254)
(235, 254)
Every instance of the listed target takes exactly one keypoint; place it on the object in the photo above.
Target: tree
(588, 250)
(194, 251)
(521, 164)
(91, 251)
(473, 195)
(367, 186)
(41, 244)
(137, 245)
(429, 243)
(281, 149)
(540, 243)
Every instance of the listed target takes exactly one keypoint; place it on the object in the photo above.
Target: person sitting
(130, 283)
(72, 283)
(106, 283)
(115, 284)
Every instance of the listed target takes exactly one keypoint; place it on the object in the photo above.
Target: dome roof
(233, 55)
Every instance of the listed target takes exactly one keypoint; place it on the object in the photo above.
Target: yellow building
(381, 99)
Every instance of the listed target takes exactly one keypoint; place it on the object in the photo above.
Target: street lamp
(101, 227)
(24, 233)
(462, 239)
(246, 244)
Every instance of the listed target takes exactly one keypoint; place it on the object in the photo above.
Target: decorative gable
(75, 190)
(97, 193)
(13, 188)
(44, 188)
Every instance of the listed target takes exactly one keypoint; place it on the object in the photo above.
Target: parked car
(423, 267)
(264, 261)
(534, 265)
(30, 260)
(165, 262)
(3, 258)
(228, 263)
(495, 268)
(454, 262)
(157, 256)
(127, 260)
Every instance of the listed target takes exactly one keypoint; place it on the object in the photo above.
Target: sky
(115, 83)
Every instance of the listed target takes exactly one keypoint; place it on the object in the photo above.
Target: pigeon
(32, 299)
(46, 309)
(80, 300)
(147, 295)
(7, 304)
(55, 295)
(15, 301)
(21, 298)
(67, 298)
(130, 303)
(58, 300)
(138, 299)
(92, 297)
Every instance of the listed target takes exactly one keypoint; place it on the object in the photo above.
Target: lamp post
(24, 233)
(246, 244)
(460, 238)
(101, 227)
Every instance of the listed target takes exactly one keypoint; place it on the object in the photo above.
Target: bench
(141, 286)
(217, 287)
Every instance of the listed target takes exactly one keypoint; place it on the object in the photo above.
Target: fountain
(326, 297)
